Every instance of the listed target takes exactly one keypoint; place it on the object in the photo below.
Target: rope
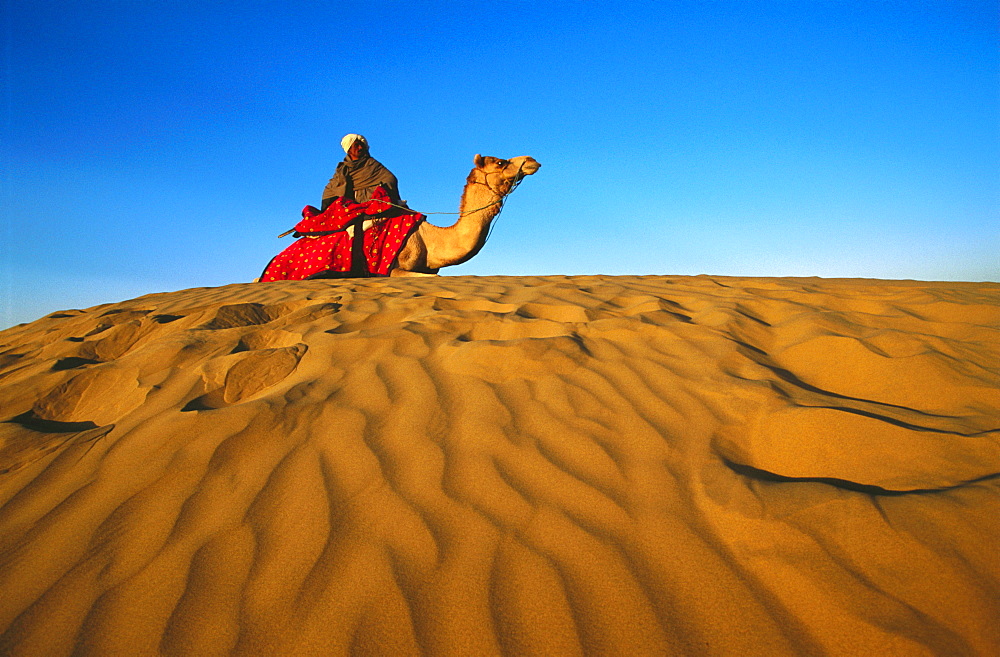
(496, 219)
(493, 224)
(488, 205)
(403, 207)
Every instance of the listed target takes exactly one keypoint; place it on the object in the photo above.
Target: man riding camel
(359, 174)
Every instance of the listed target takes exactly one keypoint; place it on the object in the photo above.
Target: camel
(431, 247)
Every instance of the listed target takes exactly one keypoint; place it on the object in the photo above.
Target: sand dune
(503, 465)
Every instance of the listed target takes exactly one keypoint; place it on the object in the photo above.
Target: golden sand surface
(588, 465)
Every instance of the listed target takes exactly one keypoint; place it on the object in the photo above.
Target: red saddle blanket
(325, 246)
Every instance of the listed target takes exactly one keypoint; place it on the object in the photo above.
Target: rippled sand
(506, 465)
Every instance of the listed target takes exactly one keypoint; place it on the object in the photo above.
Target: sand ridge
(506, 465)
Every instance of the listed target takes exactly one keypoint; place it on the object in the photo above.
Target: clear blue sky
(154, 146)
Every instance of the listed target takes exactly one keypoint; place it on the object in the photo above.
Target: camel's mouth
(529, 166)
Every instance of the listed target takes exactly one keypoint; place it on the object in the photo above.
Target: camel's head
(501, 174)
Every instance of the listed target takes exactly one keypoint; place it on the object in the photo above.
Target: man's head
(354, 145)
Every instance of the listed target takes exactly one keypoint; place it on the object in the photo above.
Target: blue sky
(155, 146)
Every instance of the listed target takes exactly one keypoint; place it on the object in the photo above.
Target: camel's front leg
(405, 272)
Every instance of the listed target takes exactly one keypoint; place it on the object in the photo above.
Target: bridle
(501, 197)
(518, 177)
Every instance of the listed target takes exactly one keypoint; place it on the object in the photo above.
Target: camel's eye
(503, 163)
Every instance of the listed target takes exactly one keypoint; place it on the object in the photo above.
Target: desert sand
(590, 465)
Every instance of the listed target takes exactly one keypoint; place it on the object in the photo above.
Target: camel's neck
(479, 205)
(462, 240)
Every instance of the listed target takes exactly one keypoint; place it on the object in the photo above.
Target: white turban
(348, 140)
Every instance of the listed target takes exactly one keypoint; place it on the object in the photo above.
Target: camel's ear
(478, 160)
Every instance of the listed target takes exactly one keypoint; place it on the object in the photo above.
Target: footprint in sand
(266, 339)
(116, 341)
(116, 334)
(254, 372)
(258, 314)
(72, 363)
(242, 314)
(26, 438)
(101, 395)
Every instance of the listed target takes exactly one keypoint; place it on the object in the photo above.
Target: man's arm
(336, 187)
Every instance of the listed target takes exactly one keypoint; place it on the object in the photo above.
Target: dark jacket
(357, 179)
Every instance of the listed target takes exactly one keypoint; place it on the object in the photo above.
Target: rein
(501, 197)
(485, 182)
